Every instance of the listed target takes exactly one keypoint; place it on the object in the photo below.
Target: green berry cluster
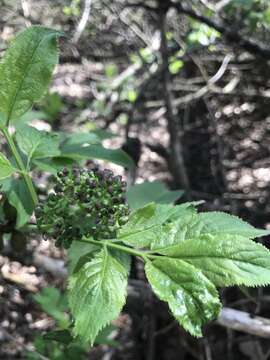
(84, 203)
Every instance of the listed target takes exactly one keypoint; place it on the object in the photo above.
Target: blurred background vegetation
(183, 87)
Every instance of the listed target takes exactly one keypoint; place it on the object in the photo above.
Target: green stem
(26, 176)
(126, 249)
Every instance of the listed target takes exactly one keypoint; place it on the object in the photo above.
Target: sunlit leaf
(191, 297)
(97, 293)
(225, 259)
(26, 70)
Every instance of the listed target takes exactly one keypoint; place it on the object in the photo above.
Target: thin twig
(83, 22)
(205, 89)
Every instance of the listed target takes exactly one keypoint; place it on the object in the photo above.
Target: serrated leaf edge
(261, 232)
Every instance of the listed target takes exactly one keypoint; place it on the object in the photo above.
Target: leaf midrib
(104, 268)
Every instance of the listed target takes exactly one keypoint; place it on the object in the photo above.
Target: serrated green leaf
(226, 260)
(97, 293)
(142, 226)
(83, 259)
(26, 70)
(37, 144)
(145, 225)
(191, 297)
(178, 228)
(222, 223)
(190, 225)
(6, 169)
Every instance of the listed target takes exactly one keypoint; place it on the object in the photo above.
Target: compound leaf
(26, 70)
(226, 260)
(191, 297)
(97, 293)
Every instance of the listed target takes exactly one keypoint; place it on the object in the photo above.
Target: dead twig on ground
(245, 322)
